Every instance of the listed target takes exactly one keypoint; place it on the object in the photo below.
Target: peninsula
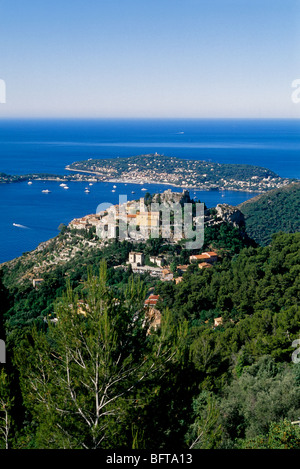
(9, 178)
(184, 173)
(160, 169)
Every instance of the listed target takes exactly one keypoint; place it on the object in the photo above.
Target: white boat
(114, 187)
(46, 191)
(29, 182)
(63, 184)
(87, 191)
(113, 190)
(66, 187)
(19, 226)
(143, 189)
(132, 192)
(90, 184)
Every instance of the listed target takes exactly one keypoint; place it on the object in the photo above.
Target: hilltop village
(138, 214)
(141, 221)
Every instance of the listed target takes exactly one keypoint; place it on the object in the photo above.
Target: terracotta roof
(204, 265)
(200, 256)
(152, 300)
(204, 255)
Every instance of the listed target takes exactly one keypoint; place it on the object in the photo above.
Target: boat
(90, 184)
(143, 189)
(113, 190)
(63, 184)
(114, 187)
(46, 191)
(19, 226)
(87, 191)
(29, 182)
(66, 187)
(132, 192)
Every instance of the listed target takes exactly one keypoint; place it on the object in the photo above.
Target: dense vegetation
(83, 371)
(277, 210)
(96, 378)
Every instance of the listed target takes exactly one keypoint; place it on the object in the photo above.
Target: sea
(30, 216)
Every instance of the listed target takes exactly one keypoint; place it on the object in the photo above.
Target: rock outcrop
(229, 214)
(168, 197)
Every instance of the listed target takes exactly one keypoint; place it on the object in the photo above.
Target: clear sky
(149, 58)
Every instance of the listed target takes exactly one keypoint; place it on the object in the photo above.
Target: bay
(31, 146)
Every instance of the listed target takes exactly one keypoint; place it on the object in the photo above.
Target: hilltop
(80, 243)
(194, 174)
(277, 210)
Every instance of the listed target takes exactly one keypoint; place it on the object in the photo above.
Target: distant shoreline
(126, 181)
(67, 178)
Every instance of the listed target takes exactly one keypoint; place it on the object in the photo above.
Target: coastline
(137, 181)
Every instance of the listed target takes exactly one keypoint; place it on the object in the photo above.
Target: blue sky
(149, 58)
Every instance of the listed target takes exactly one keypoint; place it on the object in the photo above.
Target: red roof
(152, 300)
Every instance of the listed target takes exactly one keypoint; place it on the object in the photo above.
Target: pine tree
(80, 380)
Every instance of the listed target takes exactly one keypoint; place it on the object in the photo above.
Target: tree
(81, 379)
(6, 402)
(62, 228)
(206, 431)
(265, 393)
(282, 435)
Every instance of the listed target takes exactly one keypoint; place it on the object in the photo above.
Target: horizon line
(144, 118)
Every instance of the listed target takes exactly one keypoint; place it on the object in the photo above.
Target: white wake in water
(20, 226)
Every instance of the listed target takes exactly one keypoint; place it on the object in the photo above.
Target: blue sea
(35, 146)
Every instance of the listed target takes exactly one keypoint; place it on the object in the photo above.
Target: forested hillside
(84, 372)
(276, 210)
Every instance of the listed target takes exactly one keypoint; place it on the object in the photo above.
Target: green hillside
(277, 210)
(88, 368)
